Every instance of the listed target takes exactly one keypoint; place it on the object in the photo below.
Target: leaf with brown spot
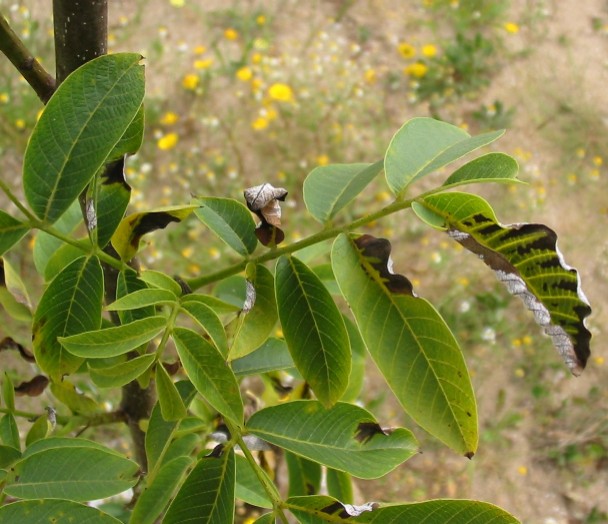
(263, 200)
(128, 234)
(366, 431)
(32, 388)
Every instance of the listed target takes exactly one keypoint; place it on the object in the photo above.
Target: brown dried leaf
(33, 388)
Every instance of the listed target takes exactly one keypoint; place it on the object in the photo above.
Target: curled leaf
(32, 388)
(263, 200)
(9, 343)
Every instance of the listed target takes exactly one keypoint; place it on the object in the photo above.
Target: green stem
(321, 236)
(267, 484)
(167, 332)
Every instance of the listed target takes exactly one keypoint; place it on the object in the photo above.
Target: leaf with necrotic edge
(526, 259)
(409, 341)
(80, 126)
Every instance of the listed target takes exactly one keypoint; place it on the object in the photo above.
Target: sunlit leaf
(491, 167)
(273, 355)
(78, 402)
(344, 437)
(209, 373)
(313, 328)
(70, 304)
(55, 511)
(207, 494)
(230, 220)
(128, 282)
(423, 145)
(14, 297)
(142, 298)
(119, 374)
(80, 126)
(171, 405)
(327, 189)
(248, 486)
(526, 259)
(409, 341)
(160, 280)
(114, 341)
(9, 432)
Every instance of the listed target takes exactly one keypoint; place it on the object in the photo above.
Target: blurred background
(245, 92)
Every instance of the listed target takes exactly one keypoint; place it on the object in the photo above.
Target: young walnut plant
(201, 436)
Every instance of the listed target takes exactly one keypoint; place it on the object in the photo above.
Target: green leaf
(210, 322)
(219, 306)
(8, 392)
(273, 355)
(304, 475)
(114, 341)
(78, 403)
(526, 259)
(160, 431)
(339, 485)
(409, 342)
(63, 256)
(142, 298)
(125, 239)
(14, 297)
(72, 469)
(8, 456)
(71, 304)
(256, 324)
(55, 511)
(39, 430)
(207, 494)
(344, 437)
(157, 495)
(128, 282)
(491, 167)
(171, 405)
(9, 432)
(119, 374)
(232, 290)
(358, 369)
(327, 189)
(209, 373)
(161, 280)
(230, 220)
(81, 124)
(313, 328)
(113, 195)
(131, 140)
(267, 518)
(423, 145)
(46, 245)
(11, 231)
(248, 486)
(319, 509)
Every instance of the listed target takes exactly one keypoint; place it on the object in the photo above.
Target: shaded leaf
(328, 436)
(131, 140)
(39, 430)
(70, 304)
(8, 392)
(526, 259)
(142, 298)
(248, 486)
(209, 373)
(491, 167)
(73, 469)
(339, 485)
(230, 221)
(14, 297)
(327, 189)
(81, 124)
(218, 305)
(358, 369)
(62, 257)
(78, 402)
(126, 283)
(8, 456)
(55, 511)
(255, 325)
(304, 475)
(125, 239)
(160, 280)
(114, 341)
(171, 405)
(119, 374)
(272, 355)
(207, 494)
(313, 328)
(11, 231)
(423, 145)
(409, 341)
(210, 322)
(9, 432)
(157, 495)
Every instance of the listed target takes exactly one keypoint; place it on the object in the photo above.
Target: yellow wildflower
(244, 74)
(214, 253)
(187, 252)
(177, 3)
(520, 373)
(322, 160)
(598, 160)
(511, 27)
(231, 34)
(599, 360)
(370, 76)
(190, 82)
(167, 141)
(580, 152)
(260, 20)
(429, 50)
(417, 69)
(199, 49)
(256, 58)
(259, 123)
(527, 340)
(522, 470)
(20, 123)
(280, 92)
(204, 63)
(4, 98)
(169, 118)
(406, 50)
